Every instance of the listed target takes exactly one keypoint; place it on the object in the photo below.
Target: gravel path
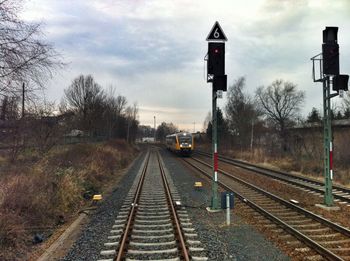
(237, 242)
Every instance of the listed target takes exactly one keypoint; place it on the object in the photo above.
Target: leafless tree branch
(24, 56)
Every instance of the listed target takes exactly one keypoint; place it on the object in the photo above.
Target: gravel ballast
(239, 241)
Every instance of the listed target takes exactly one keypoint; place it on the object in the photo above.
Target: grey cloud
(146, 47)
(156, 55)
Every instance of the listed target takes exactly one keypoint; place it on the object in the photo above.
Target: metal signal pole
(327, 131)
(216, 75)
(329, 69)
(214, 198)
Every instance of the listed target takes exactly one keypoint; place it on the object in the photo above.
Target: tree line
(266, 118)
(27, 62)
(86, 112)
(98, 112)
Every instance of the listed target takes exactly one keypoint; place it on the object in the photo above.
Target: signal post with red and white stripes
(329, 75)
(216, 75)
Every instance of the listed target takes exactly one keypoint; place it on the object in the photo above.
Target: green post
(214, 196)
(327, 131)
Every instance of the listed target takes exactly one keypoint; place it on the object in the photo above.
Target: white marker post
(228, 218)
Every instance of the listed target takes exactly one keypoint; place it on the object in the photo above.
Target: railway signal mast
(329, 75)
(216, 75)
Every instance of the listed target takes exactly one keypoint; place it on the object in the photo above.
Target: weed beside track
(38, 193)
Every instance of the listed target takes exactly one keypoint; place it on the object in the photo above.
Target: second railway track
(149, 225)
(329, 239)
(341, 194)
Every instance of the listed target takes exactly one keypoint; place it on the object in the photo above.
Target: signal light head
(216, 58)
(340, 82)
(330, 34)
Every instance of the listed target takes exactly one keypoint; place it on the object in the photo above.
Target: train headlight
(189, 145)
(180, 145)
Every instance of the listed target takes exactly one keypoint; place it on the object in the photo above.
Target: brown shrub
(68, 196)
(104, 159)
(341, 150)
(288, 164)
(30, 196)
(342, 176)
(119, 145)
(72, 155)
(41, 194)
(12, 235)
(103, 163)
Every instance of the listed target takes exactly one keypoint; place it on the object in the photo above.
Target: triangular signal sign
(216, 33)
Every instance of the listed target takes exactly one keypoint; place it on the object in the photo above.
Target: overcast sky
(152, 50)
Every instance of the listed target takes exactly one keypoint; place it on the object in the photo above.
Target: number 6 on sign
(216, 33)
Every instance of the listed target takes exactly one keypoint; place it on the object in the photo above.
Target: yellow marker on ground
(198, 184)
(97, 197)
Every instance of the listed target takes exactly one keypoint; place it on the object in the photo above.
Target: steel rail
(125, 237)
(308, 241)
(179, 232)
(340, 229)
(282, 176)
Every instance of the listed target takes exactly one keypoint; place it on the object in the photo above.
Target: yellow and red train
(181, 143)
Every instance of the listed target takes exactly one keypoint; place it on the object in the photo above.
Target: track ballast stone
(236, 242)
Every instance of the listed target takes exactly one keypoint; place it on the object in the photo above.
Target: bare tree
(114, 109)
(24, 56)
(206, 122)
(240, 112)
(346, 105)
(101, 114)
(9, 108)
(43, 128)
(86, 98)
(280, 102)
(131, 113)
(165, 129)
(120, 104)
(110, 111)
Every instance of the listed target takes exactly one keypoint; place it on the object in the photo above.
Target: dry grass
(309, 167)
(46, 191)
(342, 177)
(297, 163)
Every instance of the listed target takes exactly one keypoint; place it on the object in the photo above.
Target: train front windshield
(185, 139)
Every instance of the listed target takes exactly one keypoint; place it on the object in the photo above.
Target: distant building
(148, 139)
(75, 133)
(336, 124)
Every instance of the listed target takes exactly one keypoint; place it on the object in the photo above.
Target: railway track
(150, 224)
(330, 240)
(340, 194)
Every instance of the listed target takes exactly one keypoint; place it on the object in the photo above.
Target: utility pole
(23, 93)
(216, 75)
(329, 73)
(127, 134)
(154, 128)
(252, 137)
